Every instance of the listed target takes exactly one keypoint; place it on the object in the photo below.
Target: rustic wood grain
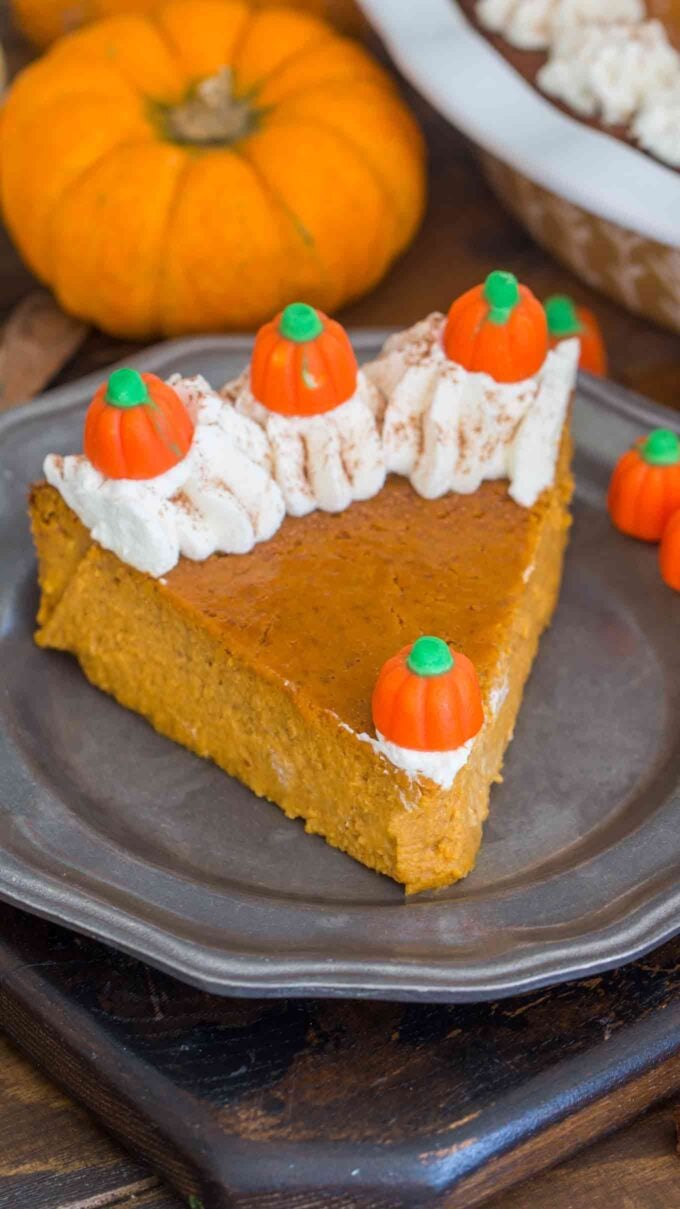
(52, 1154)
(463, 1100)
(37, 340)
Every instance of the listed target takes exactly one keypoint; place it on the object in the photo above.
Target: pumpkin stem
(562, 317)
(211, 113)
(662, 448)
(501, 291)
(126, 388)
(300, 322)
(430, 657)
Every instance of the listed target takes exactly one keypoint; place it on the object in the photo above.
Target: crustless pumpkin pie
(434, 553)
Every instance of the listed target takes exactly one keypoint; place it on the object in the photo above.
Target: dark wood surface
(285, 1104)
(52, 1154)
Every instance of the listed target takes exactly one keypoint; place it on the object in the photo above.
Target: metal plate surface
(113, 830)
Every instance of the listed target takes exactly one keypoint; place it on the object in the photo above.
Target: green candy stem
(501, 291)
(300, 323)
(662, 448)
(429, 657)
(562, 317)
(126, 388)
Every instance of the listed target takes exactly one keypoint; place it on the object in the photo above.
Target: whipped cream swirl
(221, 498)
(449, 430)
(324, 461)
(610, 71)
(532, 24)
(606, 60)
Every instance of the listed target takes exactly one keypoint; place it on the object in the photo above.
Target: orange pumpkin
(566, 320)
(645, 487)
(427, 698)
(669, 552)
(43, 21)
(136, 427)
(498, 328)
(303, 363)
(201, 168)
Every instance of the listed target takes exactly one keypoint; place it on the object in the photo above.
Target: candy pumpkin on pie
(363, 666)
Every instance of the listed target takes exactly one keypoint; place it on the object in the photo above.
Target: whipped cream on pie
(322, 461)
(221, 498)
(657, 125)
(606, 60)
(610, 71)
(531, 24)
(413, 412)
(442, 767)
(447, 429)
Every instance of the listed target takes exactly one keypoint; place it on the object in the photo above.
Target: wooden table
(52, 1154)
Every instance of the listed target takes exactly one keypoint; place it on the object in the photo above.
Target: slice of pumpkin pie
(329, 580)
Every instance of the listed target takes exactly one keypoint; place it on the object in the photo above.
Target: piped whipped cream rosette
(477, 395)
(319, 411)
(167, 470)
(427, 710)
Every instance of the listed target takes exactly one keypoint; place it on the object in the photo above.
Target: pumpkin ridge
(393, 200)
(312, 48)
(636, 477)
(328, 35)
(392, 243)
(160, 292)
(291, 59)
(77, 180)
(325, 282)
(169, 44)
(94, 55)
(34, 245)
(339, 342)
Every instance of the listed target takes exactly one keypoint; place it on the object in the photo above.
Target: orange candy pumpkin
(303, 363)
(669, 552)
(498, 328)
(566, 320)
(645, 487)
(427, 698)
(136, 427)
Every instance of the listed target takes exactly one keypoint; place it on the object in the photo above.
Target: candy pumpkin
(498, 328)
(645, 487)
(669, 552)
(200, 169)
(566, 320)
(427, 697)
(303, 363)
(43, 21)
(136, 427)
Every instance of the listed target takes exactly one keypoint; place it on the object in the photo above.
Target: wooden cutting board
(263, 1104)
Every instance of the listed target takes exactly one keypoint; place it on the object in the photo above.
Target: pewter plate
(113, 830)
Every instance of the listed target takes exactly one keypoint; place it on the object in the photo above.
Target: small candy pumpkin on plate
(303, 363)
(498, 328)
(565, 320)
(644, 490)
(427, 697)
(136, 427)
(669, 553)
